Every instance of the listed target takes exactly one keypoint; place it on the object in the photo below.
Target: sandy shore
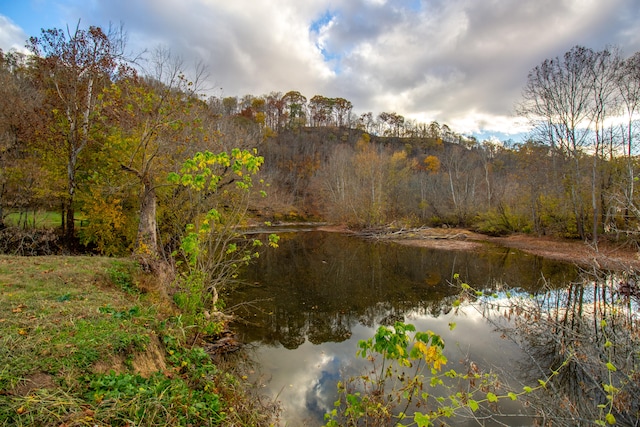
(606, 255)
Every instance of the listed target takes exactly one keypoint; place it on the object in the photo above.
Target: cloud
(11, 35)
(455, 61)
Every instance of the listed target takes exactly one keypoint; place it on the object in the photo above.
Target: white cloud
(12, 37)
(460, 62)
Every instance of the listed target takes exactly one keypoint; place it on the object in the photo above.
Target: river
(305, 305)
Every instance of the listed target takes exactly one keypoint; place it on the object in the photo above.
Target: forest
(92, 135)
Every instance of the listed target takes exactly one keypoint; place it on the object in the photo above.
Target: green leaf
(473, 405)
(610, 367)
(173, 178)
(512, 396)
(527, 389)
(452, 326)
(422, 420)
(611, 420)
(492, 397)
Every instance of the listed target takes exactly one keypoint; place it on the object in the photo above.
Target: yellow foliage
(432, 164)
(398, 157)
(107, 225)
(363, 142)
(435, 357)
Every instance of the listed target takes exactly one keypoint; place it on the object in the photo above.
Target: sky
(459, 62)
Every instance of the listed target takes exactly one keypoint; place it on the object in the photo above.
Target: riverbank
(607, 255)
(87, 340)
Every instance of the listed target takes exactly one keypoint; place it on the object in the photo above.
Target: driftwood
(225, 343)
(422, 233)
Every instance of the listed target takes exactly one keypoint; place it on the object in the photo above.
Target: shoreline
(607, 255)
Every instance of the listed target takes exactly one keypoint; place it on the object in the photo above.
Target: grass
(39, 219)
(80, 344)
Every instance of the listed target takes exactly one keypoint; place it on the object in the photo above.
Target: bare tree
(628, 82)
(558, 101)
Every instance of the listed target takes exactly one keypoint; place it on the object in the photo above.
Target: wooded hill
(85, 134)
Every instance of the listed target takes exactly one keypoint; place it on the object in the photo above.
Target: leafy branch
(212, 248)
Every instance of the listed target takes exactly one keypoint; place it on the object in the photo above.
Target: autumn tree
(150, 123)
(342, 109)
(394, 123)
(605, 105)
(20, 172)
(274, 111)
(295, 108)
(320, 110)
(335, 185)
(74, 66)
(427, 181)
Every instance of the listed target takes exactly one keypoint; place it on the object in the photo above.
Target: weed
(122, 275)
(76, 351)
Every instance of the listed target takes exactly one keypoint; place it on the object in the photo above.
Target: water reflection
(308, 303)
(587, 327)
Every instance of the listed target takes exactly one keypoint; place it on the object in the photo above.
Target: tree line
(574, 176)
(92, 133)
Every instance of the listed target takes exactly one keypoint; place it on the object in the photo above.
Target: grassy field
(80, 345)
(39, 219)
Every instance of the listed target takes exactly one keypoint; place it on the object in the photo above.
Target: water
(308, 303)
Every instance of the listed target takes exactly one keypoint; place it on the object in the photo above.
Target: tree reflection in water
(307, 303)
(594, 327)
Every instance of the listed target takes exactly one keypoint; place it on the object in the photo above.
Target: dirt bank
(607, 255)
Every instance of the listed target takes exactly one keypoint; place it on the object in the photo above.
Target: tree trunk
(147, 239)
(69, 232)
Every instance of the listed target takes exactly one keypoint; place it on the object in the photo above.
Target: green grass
(79, 345)
(40, 219)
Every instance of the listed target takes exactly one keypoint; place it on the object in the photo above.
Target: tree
(74, 67)
(557, 100)
(604, 73)
(394, 123)
(151, 123)
(628, 82)
(295, 105)
(321, 110)
(19, 165)
(366, 123)
(343, 109)
(275, 111)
